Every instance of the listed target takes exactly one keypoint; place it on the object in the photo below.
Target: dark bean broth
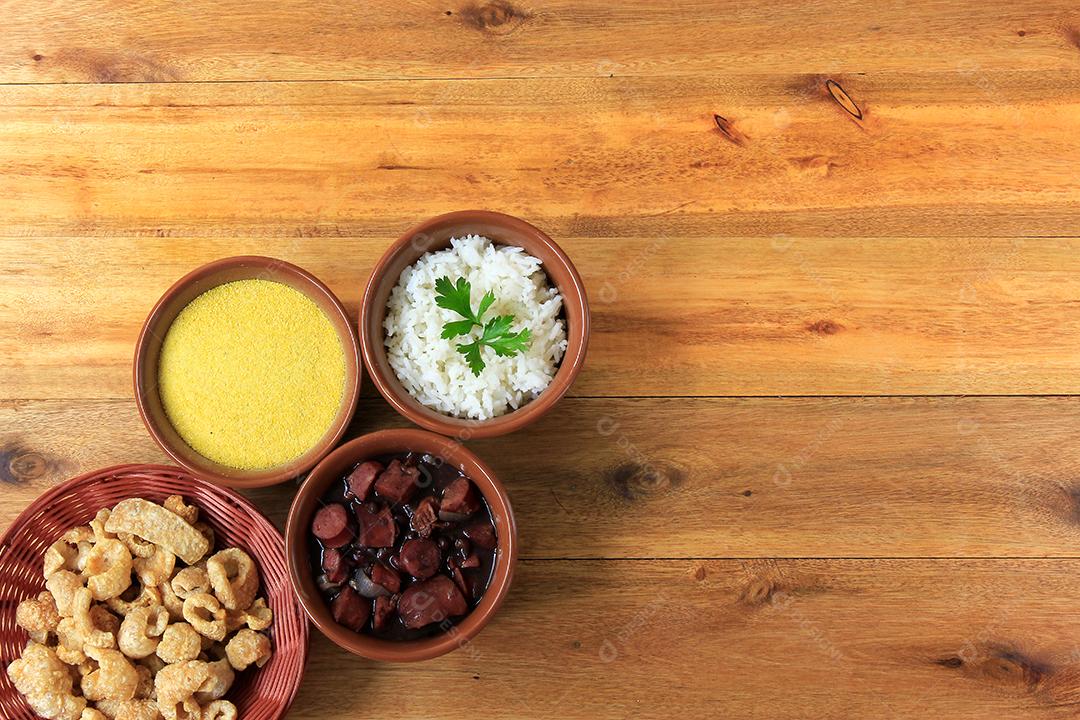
(449, 535)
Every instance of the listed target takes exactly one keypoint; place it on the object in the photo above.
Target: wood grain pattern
(115, 41)
(760, 639)
(774, 153)
(870, 207)
(671, 316)
(677, 478)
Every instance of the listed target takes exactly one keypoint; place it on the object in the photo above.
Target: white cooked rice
(432, 369)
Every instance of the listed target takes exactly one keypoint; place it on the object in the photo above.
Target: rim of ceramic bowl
(434, 234)
(161, 317)
(331, 469)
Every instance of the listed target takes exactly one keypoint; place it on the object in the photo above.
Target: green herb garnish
(496, 331)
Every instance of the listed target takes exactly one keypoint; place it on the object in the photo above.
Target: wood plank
(782, 640)
(973, 477)
(103, 41)
(671, 316)
(945, 153)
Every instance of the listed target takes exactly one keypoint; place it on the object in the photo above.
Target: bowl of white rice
(474, 324)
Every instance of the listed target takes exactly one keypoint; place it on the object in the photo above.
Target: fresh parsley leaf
(471, 351)
(496, 334)
(455, 297)
(485, 303)
(512, 344)
(458, 327)
(496, 327)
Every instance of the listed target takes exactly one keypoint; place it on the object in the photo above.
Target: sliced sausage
(397, 482)
(330, 521)
(382, 575)
(481, 532)
(430, 601)
(460, 498)
(377, 529)
(350, 610)
(335, 566)
(384, 611)
(343, 538)
(362, 478)
(420, 558)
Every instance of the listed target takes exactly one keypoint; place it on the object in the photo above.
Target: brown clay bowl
(157, 324)
(433, 235)
(334, 467)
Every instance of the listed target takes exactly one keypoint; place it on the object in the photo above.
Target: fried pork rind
(148, 596)
(176, 686)
(234, 577)
(247, 647)
(72, 635)
(98, 526)
(136, 545)
(207, 531)
(219, 710)
(187, 710)
(204, 613)
(92, 714)
(156, 569)
(179, 643)
(257, 617)
(145, 689)
(104, 620)
(115, 678)
(173, 603)
(234, 620)
(162, 527)
(45, 682)
(191, 580)
(141, 631)
(70, 656)
(108, 568)
(82, 624)
(176, 504)
(60, 556)
(130, 709)
(69, 552)
(218, 683)
(62, 585)
(38, 617)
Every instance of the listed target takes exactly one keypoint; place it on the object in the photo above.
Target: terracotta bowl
(161, 317)
(259, 694)
(433, 235)
(331, 470)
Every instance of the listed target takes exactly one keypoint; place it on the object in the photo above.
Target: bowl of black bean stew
(401, 545)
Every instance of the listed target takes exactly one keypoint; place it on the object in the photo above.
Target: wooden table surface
(822, 460)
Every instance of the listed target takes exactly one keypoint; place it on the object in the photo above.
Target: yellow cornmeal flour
(251, 374)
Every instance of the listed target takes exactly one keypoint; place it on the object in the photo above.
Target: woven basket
(259, 694)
